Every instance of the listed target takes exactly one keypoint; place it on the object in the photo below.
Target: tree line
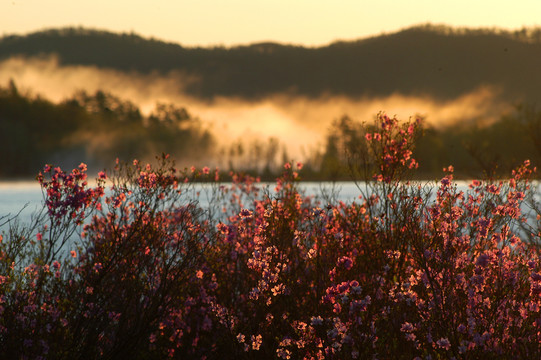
(440, 61)
(93, 128)
(475, 148)
(99, 128)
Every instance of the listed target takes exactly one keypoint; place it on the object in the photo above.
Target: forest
(100, 127)
(96, 128)
(430, 60)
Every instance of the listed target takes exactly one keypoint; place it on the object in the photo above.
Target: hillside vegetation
(95, 128)
(434, 60)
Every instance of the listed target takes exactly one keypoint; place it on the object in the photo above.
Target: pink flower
(283, 353)
(206, 170)
(245, 213)
(73, 254)
(316, 320)
(345, 262)
(444, 343)
(482, 260)
(278, 289)
(407, 327)
(256, 341)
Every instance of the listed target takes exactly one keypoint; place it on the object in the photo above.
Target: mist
(298, 122)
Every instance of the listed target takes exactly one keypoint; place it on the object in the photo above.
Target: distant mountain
(434, 60)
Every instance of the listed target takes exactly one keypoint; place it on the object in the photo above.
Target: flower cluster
(67, 195)
(391, 145)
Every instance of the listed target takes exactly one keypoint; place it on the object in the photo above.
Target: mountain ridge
(439, 61)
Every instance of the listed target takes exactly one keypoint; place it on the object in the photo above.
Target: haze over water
(300, 122)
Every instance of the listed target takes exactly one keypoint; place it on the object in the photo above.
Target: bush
(141, 269)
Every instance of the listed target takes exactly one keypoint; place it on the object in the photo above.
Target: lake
(14, 196)
(26, 197)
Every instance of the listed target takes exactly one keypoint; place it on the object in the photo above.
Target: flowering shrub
(141, 269)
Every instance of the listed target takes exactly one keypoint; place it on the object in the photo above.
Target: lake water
(26, 197)
(23, 199)
(22, 196)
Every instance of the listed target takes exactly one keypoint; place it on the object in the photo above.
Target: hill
(435, 60)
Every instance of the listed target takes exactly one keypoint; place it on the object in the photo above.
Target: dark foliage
(439, 61)
(95, 128)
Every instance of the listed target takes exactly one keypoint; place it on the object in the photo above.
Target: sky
(235, 22)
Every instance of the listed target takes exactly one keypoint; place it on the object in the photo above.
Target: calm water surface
(26, 197)
(23, 196)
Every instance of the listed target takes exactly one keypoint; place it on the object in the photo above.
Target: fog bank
(298, 121)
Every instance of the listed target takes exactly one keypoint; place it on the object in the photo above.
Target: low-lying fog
(299, 122)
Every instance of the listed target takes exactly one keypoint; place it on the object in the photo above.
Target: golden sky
(232, 22)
